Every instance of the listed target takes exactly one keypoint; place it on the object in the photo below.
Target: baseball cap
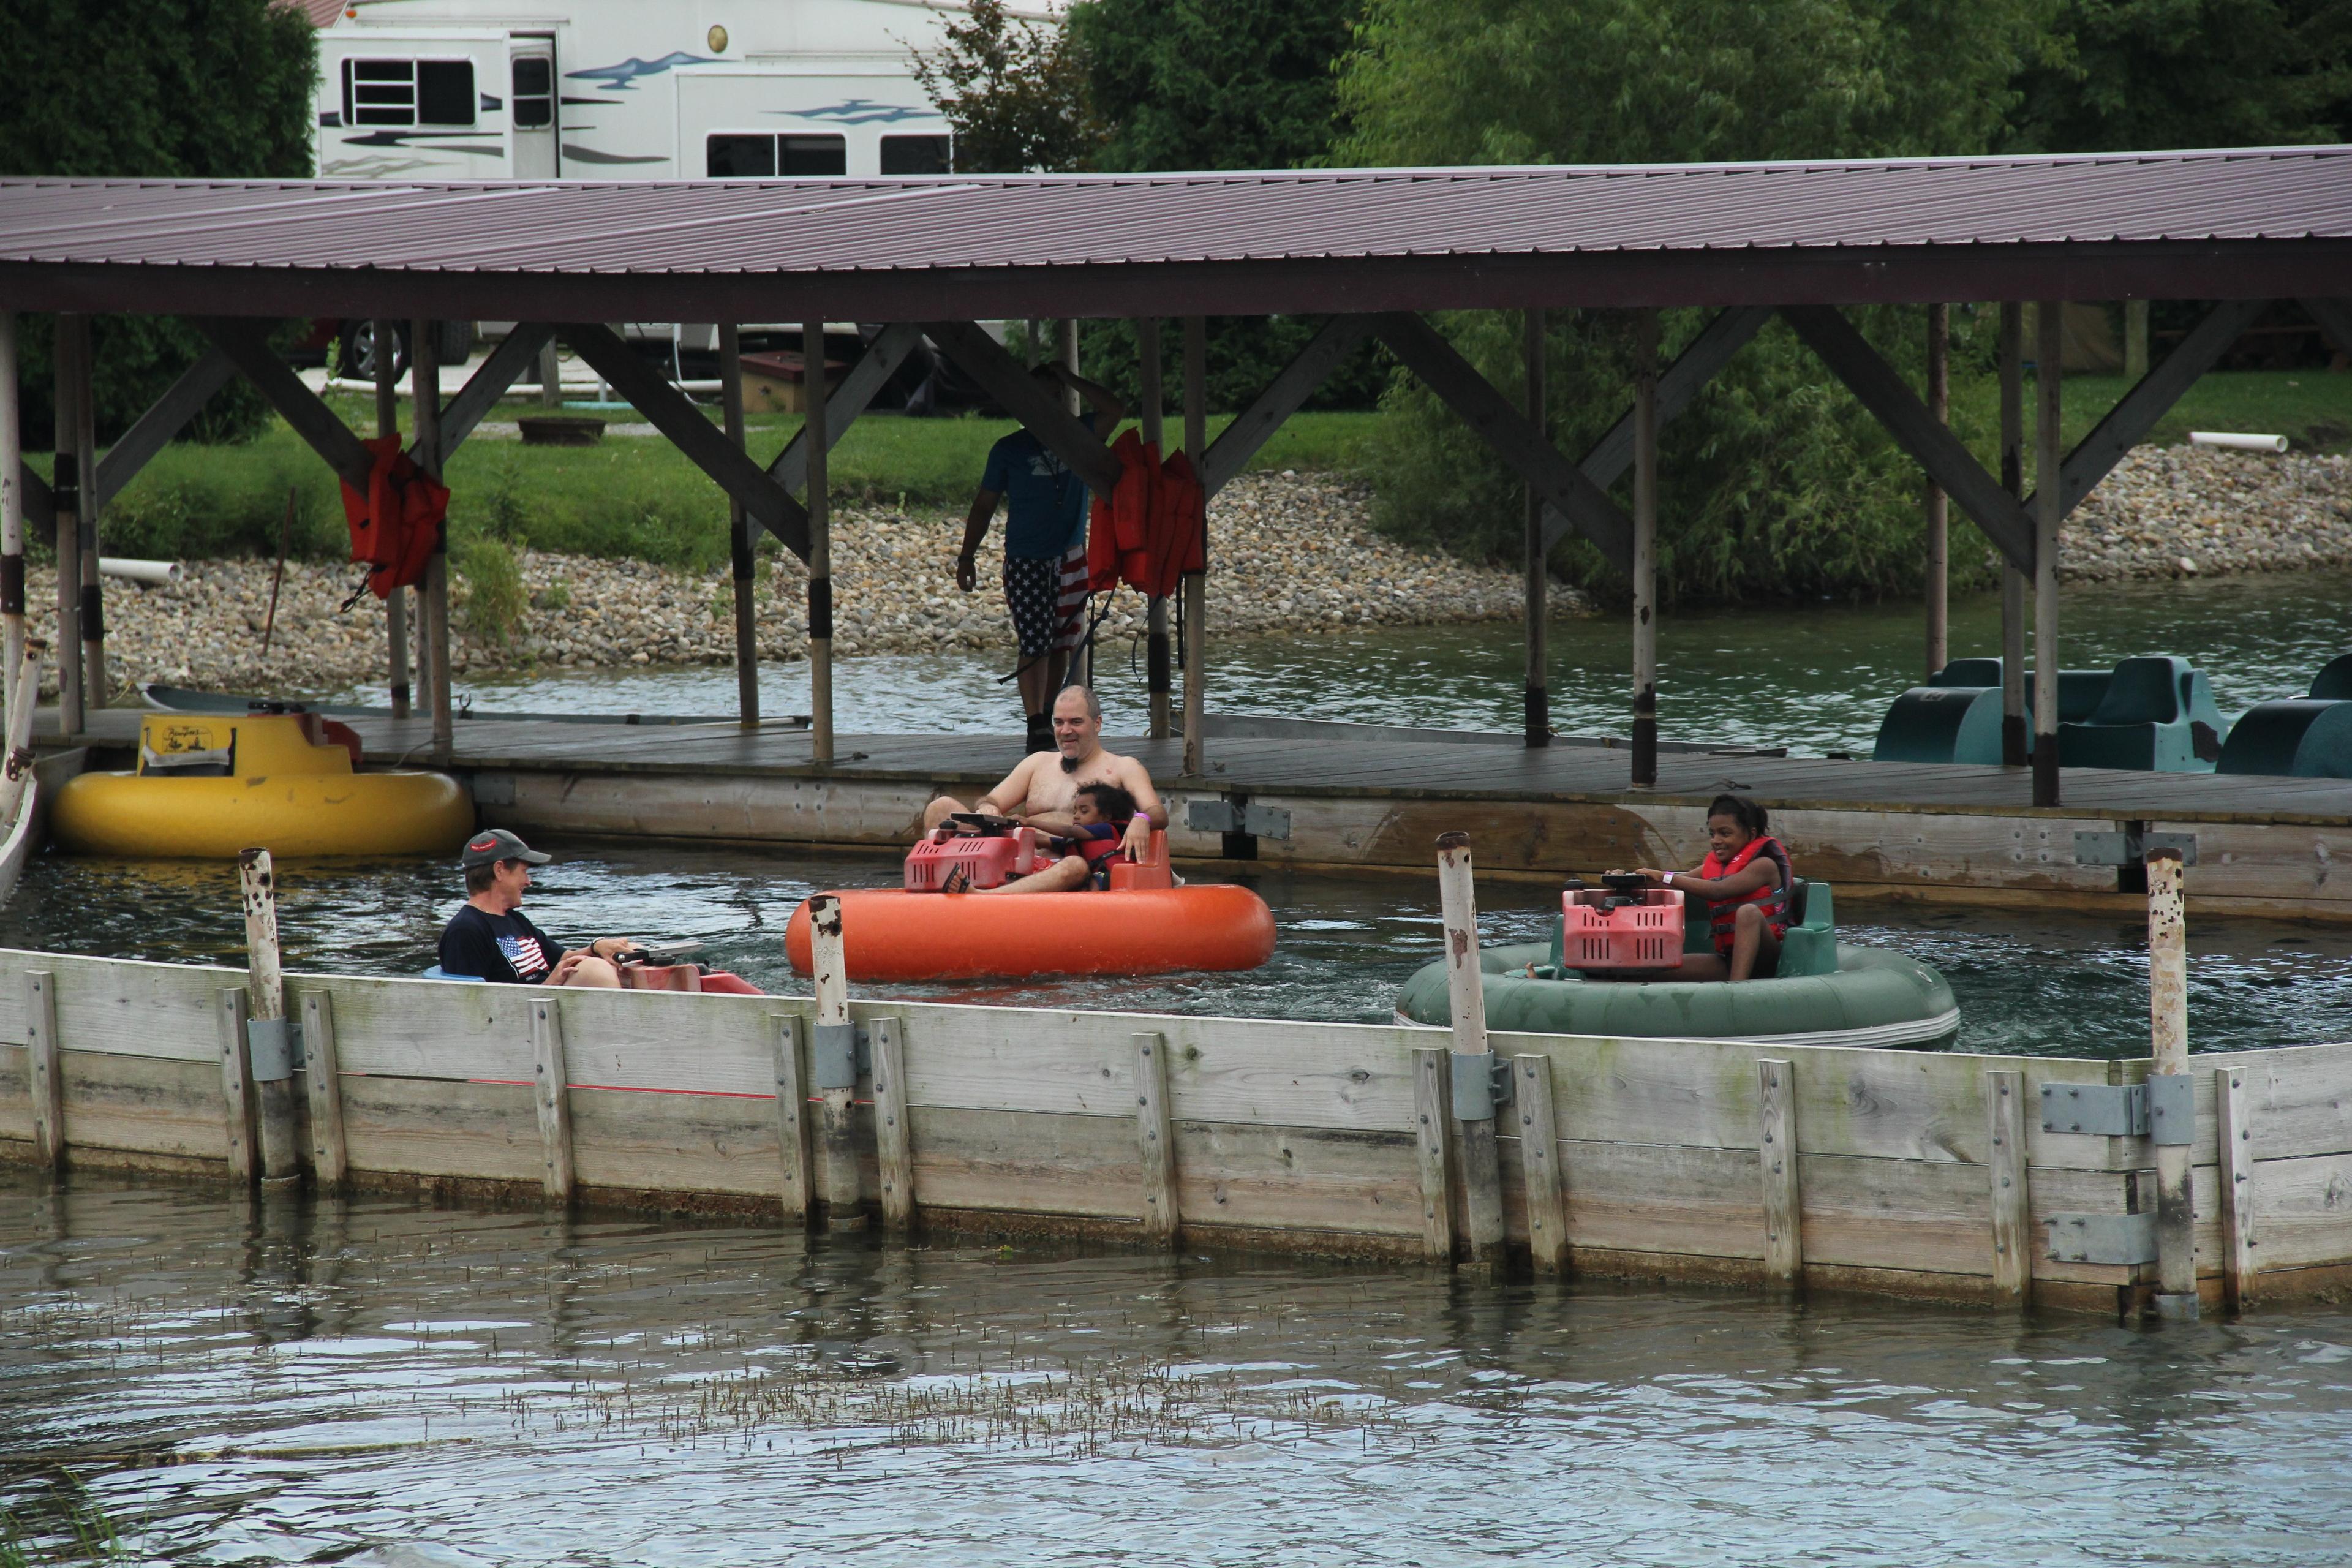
(496, 844)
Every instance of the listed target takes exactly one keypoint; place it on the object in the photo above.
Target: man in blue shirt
(1045, 519)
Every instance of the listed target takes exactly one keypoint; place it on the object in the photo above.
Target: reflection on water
(248, 1384)
(1814, 678)
(2044, 985)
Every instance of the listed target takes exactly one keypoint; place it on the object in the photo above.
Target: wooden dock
(2269, 846)
(1924, 1174)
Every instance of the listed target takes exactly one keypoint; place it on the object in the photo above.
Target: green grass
(637, 497)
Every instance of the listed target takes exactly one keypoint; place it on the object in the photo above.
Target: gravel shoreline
(1289, 554)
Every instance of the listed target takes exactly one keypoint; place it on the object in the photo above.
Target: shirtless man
(1039, 790)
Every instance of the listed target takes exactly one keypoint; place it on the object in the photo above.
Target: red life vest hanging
(1121, 521)
(397, 524)
(1178, 529)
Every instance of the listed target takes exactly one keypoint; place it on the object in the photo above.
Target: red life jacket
(395, 526)
(1723, 914)
(1152, 527)
(1179, 535)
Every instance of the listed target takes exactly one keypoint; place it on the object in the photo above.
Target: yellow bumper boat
(208, 786)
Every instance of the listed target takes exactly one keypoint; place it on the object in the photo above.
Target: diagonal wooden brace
(246, 344)
(1525, 449)
(1230, 453)
(704, 443)
(1693, 369)
(2130, 420)
(156, 427)
(2334, 318)
(1927, 440)
(33, 496)
(484, 388)
(845, 403)
(1021, 395)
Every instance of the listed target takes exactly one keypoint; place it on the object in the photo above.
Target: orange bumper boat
(1142, 924)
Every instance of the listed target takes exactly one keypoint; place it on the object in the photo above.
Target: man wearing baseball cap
(491, 937)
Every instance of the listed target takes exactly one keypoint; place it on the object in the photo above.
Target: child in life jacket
(1099, 814)
(1743, 888)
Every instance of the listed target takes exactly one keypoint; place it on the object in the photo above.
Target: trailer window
(740, 157)
(760, 157)
(534, 92)
(408, 92)
(811, 157)
(916, 155)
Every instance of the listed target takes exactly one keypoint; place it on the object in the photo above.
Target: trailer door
(532, 106)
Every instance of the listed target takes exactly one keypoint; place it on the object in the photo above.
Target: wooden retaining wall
(1915, 1173)
(1977, 856)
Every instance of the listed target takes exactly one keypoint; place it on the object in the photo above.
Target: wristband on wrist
(1670, 878)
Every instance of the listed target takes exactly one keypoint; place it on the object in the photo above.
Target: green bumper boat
(1828, 992)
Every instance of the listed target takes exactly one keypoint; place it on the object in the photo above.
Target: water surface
(380, 1383)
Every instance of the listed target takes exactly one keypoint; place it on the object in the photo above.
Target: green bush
(490, 593)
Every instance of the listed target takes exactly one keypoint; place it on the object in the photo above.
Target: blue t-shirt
(1045, 502)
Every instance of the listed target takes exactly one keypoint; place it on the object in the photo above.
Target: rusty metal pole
(820, 550)
(395, 605)
(1195, 585)
(1156, 679)
(12, 509)
(65, 491)
(738, 535)
(1645, 547)
(1938, 572)
(1538, 571)
(425, 367)
(2172, 1103)
(2013, 731)
(1473, 1058)
(93, 612)
(2049, 509)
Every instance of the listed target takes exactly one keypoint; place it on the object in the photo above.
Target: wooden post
(2049, 510)
(1196, 596)
(65, 490)
(820, 555)
(1939, 509)
(1157, 676)
(1538, 571)
(1539, 1166)
(268, 1042)
(12, 507)
(2012, 1225)
(551, 1072)
(1155, 1138)
(550, 376)
(738, 534)
(2167, 1002)
(43, 1077)
(894, 1152)
(1432, 1108)
(1474, 1061)
(2235, 1109)
(322, 1075)
(1784, 1240)
(395, 605)
(1645, 547)
(235, 1093)
(2013, 730)
(425, 367)
(2135, 338)
(834, 1056)
(23, 695)
(791, 1122)
(93, 611)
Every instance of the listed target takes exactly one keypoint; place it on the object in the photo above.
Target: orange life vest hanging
(397, 524)
(1117, 531)
(1178, 533)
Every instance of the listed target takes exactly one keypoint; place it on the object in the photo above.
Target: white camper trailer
(621, 90)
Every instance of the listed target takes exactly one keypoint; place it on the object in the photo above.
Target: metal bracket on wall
(1480, 1084)
(2101, 1110)
(838, 1053)
(271, 1046)
(2171, 1107)
(2129, 848)
(1224, 815)
(2102, 1238)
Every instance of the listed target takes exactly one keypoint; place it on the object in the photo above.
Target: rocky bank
(2189, 511)
(1289, 553)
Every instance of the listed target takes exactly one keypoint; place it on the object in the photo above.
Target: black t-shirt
(507, 948)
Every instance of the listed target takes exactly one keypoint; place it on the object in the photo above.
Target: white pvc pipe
(2236, 442)
(154, 574)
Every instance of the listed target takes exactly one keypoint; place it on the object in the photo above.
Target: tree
(206, 90)
(2140, 74)
(1013, 92)
(1774, 483)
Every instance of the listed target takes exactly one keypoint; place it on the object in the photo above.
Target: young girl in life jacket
(1741, 890)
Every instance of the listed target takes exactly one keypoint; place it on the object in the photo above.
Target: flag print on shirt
(523, 954)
